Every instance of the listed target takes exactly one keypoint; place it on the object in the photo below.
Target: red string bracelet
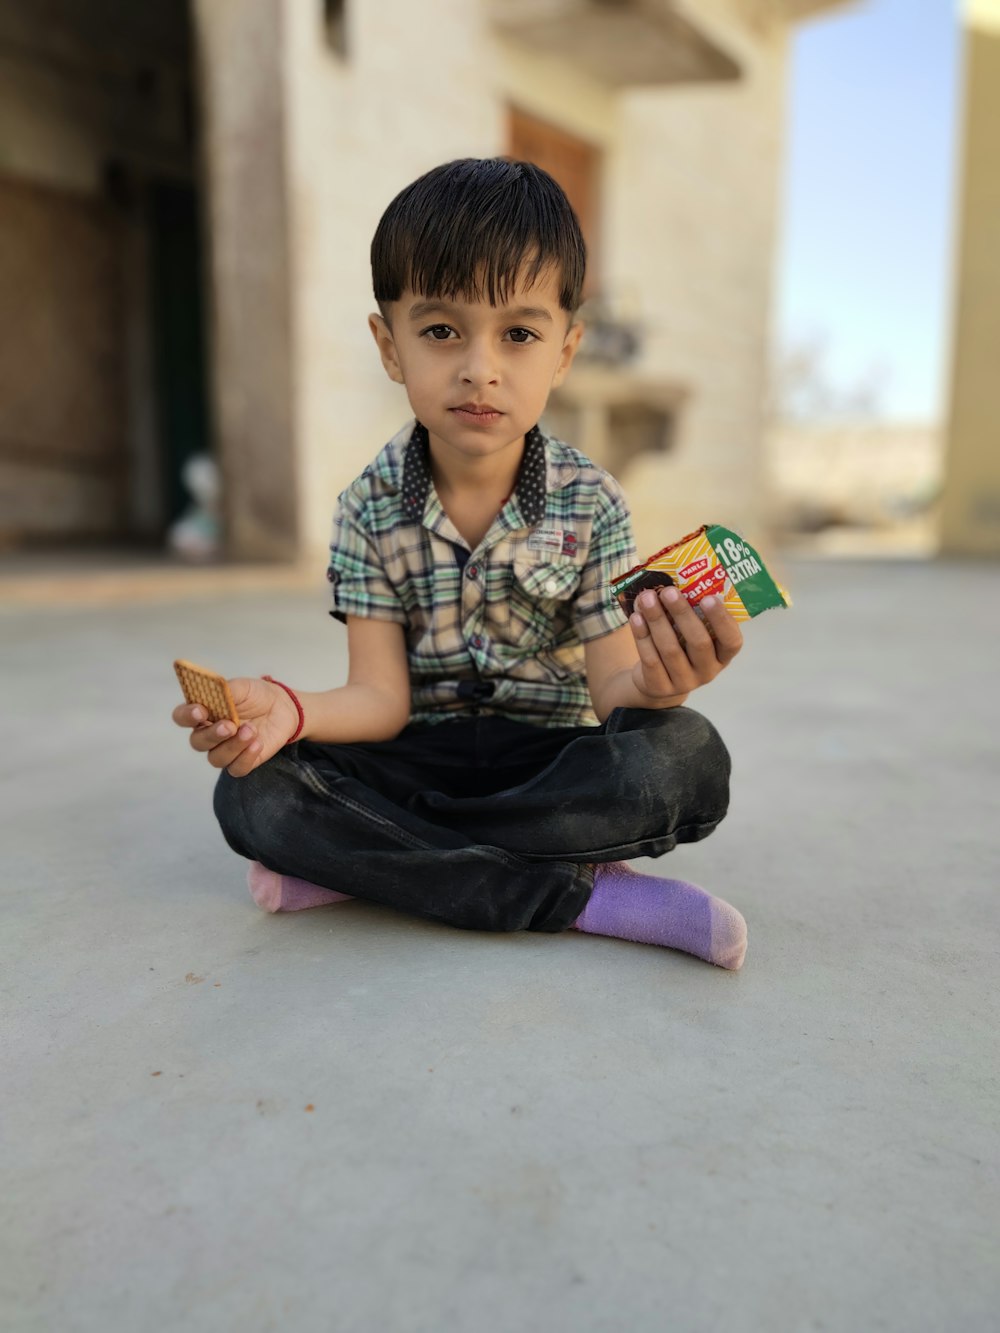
(298, 707)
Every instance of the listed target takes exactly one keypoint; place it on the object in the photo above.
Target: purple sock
(285, 893)
(668, 912)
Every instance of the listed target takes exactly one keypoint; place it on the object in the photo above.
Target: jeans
(481, 823)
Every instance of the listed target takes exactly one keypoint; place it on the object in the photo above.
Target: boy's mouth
(478, 414)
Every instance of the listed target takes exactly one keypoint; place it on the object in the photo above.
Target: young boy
(505, 736)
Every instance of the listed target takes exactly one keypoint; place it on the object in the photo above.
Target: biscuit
(208, 689)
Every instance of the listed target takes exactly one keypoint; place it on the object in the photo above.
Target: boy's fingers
(665, 667)
(246, 763)
(664, 637)
(708, 645)
(206, 740)
(235, 754)
(687, 622)
(188, 715)
(728, 635)
(654, 671)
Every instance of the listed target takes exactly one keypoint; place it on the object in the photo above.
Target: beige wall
(692, 243)
(689, 238)
(971, 509)
(242, 59)
(688, 231)
(410, 94)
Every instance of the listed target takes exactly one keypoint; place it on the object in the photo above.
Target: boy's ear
(386, 345)
(569, 349)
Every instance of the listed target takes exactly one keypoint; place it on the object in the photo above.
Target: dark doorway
(102, 321)
(178, 338)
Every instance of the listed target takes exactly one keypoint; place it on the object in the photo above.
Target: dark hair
(473, 227)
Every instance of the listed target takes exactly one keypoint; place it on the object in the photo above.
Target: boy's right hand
(268, 718)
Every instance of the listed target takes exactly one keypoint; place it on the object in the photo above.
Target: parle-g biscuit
(207, 688)
(712, 561)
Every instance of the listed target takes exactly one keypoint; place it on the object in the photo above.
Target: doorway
(177, 313)
(102, 308)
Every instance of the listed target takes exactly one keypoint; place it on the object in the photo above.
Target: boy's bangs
(490, 273)
(475, 229)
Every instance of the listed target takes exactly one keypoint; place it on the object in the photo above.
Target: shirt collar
(530, 489)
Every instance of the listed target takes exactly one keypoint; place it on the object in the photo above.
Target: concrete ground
(348, 1120)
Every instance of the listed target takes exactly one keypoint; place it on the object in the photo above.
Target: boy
(504, 736)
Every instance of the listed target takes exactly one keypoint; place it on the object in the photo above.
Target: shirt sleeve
(358, 581)
(612, 551)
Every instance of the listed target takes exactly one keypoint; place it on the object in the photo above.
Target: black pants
(483, 823)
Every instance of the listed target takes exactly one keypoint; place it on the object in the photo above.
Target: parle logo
(710, 583)
(695, 567)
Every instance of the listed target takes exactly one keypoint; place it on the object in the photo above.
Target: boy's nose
(479, 365)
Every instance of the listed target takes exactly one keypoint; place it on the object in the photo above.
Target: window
(335, 24)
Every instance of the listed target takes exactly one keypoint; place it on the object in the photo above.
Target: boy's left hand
(677, 650)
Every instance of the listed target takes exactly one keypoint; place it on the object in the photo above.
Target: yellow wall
(971, 509)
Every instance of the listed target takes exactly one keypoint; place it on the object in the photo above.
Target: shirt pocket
(541, 600)
(546, 582)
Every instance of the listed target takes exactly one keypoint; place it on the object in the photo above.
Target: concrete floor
(347, 1120)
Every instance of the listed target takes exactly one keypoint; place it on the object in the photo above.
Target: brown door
(574, 163)
(62, 401)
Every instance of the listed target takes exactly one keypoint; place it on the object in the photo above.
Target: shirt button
(476, 641)
(472, 572)
(552, 586)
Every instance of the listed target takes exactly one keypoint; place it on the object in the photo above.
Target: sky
(865, 267)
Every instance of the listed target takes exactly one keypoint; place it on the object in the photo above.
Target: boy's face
(478, 376)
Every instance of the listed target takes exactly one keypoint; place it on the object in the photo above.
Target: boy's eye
(521, 335)
(438, 332)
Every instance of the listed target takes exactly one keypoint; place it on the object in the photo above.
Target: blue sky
(866, 259)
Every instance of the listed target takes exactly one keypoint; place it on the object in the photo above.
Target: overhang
(794, 11)
(621, 42)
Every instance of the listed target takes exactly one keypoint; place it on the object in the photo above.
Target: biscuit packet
(713, 561)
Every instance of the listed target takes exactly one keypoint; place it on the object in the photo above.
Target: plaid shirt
(500, 629)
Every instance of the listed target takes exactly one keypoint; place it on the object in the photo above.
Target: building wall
(971, 507)
(693, 238)
(304, 142)
(245, 90)
(409, 93)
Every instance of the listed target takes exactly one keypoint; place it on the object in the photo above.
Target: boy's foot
(668, 912)
(285, 893)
